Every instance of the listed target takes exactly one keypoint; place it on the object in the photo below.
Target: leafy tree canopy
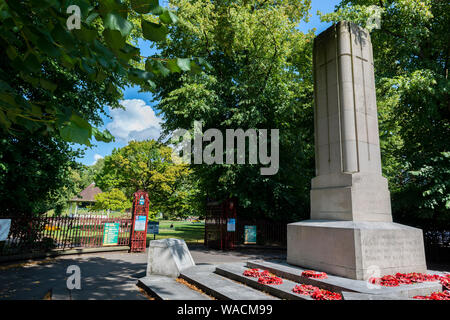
(261, 78)
(35, 175)
(46, 66)
(148, 166)
(114, 200)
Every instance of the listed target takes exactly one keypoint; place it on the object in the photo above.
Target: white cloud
(97, 157)
(137, 122)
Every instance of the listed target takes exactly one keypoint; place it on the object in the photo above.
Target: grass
(190, 232)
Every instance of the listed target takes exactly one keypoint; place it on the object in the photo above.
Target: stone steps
(227, 282)
(166, 288)
(235, 272)
(362, 296)
(204, 278)
(340, 284)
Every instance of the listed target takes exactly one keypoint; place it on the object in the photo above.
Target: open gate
(220, 224)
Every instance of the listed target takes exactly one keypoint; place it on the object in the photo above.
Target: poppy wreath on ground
(254, 273)
(316, 293)
(268, 278)
(314, 274)
(435, 296)
(386, 281)
(409, 278)
(445, 281)
(264, 277)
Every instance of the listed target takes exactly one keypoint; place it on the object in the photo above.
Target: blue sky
(139, 120)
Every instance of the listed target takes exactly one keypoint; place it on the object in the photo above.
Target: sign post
(138, 234)
(153, 228)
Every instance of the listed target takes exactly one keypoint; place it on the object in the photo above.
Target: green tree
(85, 175)
(411, 53)
(260, 78)
(35, 175)
(55, 84)
(148, 166)
(40, 50)
(114, 200)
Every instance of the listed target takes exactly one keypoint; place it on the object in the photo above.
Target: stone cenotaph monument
(351, 233)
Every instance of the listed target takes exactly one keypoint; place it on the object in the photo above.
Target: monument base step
(235, 272)
(355, 249)
(362, 296)
(166, 288)
(339, 284)
(227, 282)
(204, 278)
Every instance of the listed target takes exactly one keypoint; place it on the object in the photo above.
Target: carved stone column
(351, 225)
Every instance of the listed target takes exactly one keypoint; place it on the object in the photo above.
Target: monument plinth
(351, 232)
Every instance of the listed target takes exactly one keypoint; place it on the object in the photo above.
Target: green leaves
(114, 39)
(113, 21)
(77, 130)
(156, 67)
(168, 17)
(153, 31)
(144, 6)
(104, 136)
(179, 64)
(52, 65)
(48, 85)
(32, 63)
(151, 162)
(176, 65)
(112, 200)
(184, 64)
(140, 76)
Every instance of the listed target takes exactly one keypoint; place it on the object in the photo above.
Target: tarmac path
(104, 275)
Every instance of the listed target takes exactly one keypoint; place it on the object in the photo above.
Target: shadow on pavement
(101, 279)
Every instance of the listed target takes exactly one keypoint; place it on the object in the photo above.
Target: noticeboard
(139, 223)
(249, 234)
(153, 227)
(111, 234)
(231, 225)
(5, 225)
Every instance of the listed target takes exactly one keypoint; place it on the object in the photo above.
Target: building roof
(88, 194)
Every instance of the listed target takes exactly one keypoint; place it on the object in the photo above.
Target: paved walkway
(104, 276)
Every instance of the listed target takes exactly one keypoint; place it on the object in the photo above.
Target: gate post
(138, 235)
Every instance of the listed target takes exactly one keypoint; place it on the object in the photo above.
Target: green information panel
(111, 234)
(249, 234)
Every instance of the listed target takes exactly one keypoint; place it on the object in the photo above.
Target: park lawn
(190, 232)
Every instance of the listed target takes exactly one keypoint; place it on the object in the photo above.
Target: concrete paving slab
(166, 288)
(203, 277)
(340, 284)
(235, 272)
